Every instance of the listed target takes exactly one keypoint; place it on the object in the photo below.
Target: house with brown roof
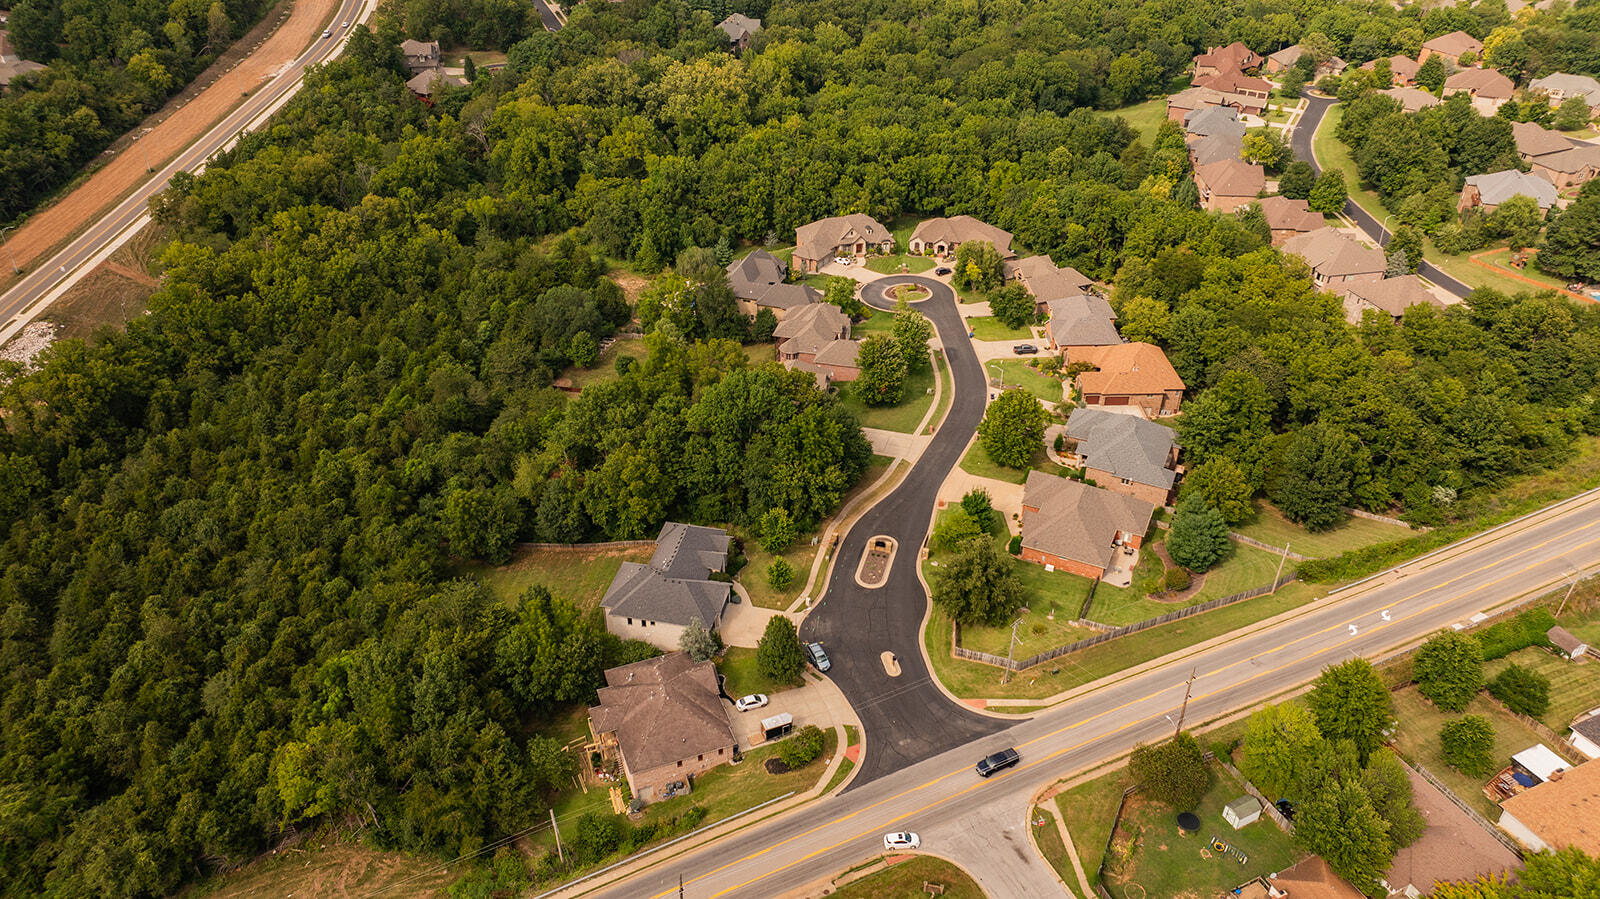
(1335, 257)
(1412, 99)
(663, 721)
(1488, 89)
(427, 83)
(1238, 83)
(1555, 157)
(821, 241)
(1285, 59)
(1046, 280)
(421, 55)
(1453, 846)
(655, 601)
(758, 283)
(1070, 526)
(1288, 218)
(1235, 57)
(1452, 47)
(1489, 190)
(1229, 185)
(816, 339)
(1129, 374)
(1081, 321)
(1562, 811)
(1124, 454)
(740, 29)
(1402, 69)
(1392, 296)
(1311, 878)
(941, 236)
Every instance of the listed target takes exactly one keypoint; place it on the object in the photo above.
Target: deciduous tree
(977, 585)
(1350, 702)
(1199, 536)
(1467, 744)
(883, 371)
(1012, 430)
(1172, 772)
(779, 654)
(1449, 670)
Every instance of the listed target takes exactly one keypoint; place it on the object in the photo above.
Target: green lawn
(1463, 269)
(1165, 862)
(1017, 373)
(1271, 527)
(905, 880)
(738, 665)
(799, 556)
(977, 462)
(1502, 258)
(1048, 835)
(760, 353)
(915, 398)
(604, 369)
(1089, 810)
(1246, 569)
(988, 327)
(1418, 740)
(946, 396)
(1144, 118)
(580, 573)
(1574, 689)
(891, 265)
(879, 322)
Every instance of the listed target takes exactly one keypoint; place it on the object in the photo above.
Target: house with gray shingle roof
(854, 235)
(1082, 320)
(1124, 454)
(740, 28)
(816, 339)
(1215, 148)
(654, 602)
(1558, 86)
(663, 720)
(758, 283)
(1211, 120)
(1411, 99)
(1045, 280)
(1489, 191)
(1085, 530)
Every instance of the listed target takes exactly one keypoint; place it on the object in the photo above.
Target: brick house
(820, 242)
(1402, 69)
(1392, 296)
(1288, 218)
(664, 722)
(1081, 321)
(1558, 86)
(1070, 526)
(1238, 84)
(941, 236)
(1229, 185)
(1555, 157)
(1130, 374)
(1335, 257)
(655, 601)
(740, 29)
(1488, 89)
(1040, 276)
(1124, 454)
(1234, 57)
(816, 339)
(1452, 47)
(1285, 59)
(421, 55)
(1411, 99)
(1489, 191)
(1187, 101)
(758, 283)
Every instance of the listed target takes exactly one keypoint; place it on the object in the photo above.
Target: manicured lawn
(977, 462)
(915, 398)
(1165, 862)
(905, 880)
(738, 665)
(760, 353)
(1144, 118)
(1574, 689)
(879, 322)
(1502, 258)
(1017, 373)
(1333, 154)
(1048, 836)
(580, 573)
(1271, 527)
(946, 396)
(1417, 738)
(1089, 810)
(891, 265)
(605, 367)
(1463, 269)
(754, 574)
(1247, 569)
(1035, 634)
(988, 327)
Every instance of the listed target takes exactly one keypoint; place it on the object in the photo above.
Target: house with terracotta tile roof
(941, 236)
(663, 721)
(1070, 526)
(1452, 47)
(1335, 257)
(1129, 374)
(1288, 218)
(1229, 185)
(1561, 812)
(1488, 89)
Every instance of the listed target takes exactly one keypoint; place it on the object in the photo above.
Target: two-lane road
(41, 286)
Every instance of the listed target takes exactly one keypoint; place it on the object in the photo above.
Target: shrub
(977, 504)
(799, 750)
(1199, 536)
(1176, 579)
(1523, 690)
(957, 528)
(596, 836)
(1015, 546)
(1467, 744)
(780, 574)
(1449, 670)
(1526, 629)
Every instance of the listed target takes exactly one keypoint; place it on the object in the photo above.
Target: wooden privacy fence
(987, 658)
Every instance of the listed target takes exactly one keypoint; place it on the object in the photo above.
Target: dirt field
(176, 125)
(114, 293)
(339, 870)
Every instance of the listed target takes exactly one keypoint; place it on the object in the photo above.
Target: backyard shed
(1568, 643)
(1540, 761)
(1242, 811)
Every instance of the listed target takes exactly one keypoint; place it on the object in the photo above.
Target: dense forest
(226, 600)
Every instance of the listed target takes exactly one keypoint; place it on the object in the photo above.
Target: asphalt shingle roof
(1125, 445)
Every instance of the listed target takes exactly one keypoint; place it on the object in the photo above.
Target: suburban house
(421, 55)
(1311, 878)
(1085, 530)
(1284, 60)
(1187, 101)
(1566, 642)
(1452, 47)
(1211, 121)
(1403, 70)
(842, 235)
(1130, 374)
(663, 720)
(430, 82)
(1389, 295)
(1216, 148)
(1412, 99)
(1287, 218)
(1489, 191)
(1488, 89)
(1081, 321)
(655, 601)
(1124, 454)
(739, 28)
(816, 338)
(1238, 83)
(1553, 156)
(758, 283)
(1586, 735)
(1558, 86)
(1335, 257)
(1229, 185)
(1045, 280)
(1235, 57)
(941, 236)
(12, 65)
(1561, 812)
(1453, 847)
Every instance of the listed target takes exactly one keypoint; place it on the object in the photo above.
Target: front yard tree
(1350, 702)
(779, 655)
(1523, 690)
(1518, 220)
(911, 332)
(1467, 745)
(1199, 537)
(1407, 240)
(977, 584)
(1279, 740)
(978, 267)
(841, 292)
(1572, 241)
(1572, 114)
(956, 529)
(1329, 193)
(1297, 181)
(1449, 670)
(883, 371)
(700, 644)
(1012, 430)
(977, 503)
(1339, 823)
(1173, 772)
(1431, 74)
(1224, 487)
(1013, 305)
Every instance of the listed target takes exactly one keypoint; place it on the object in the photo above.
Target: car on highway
(901, 840)
(328, 33)
(1025, 349)
(344, 24)
(999, 761)
(941, 270)
(818, 657)
(753, 701)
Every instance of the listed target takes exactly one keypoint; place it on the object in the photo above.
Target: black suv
(1000, 761)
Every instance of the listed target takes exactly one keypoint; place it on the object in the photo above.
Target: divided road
(1301, 143)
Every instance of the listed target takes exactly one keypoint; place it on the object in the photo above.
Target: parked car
(1000, 761)
(818, 657)
(1025, 349)
(753, 701)
(902, 840)
(941, 270)
(842, 260)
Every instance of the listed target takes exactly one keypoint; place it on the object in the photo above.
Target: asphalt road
(15, 305)
(1301, 142)
(906, 719)
(981, 823)
(547, 15)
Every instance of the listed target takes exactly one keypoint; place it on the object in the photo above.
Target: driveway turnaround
(905, 719)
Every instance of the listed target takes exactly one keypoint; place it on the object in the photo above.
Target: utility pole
(1189, 688)
(560, 855)
(1277, 578)
(1010, 648)
(13, 256)
(1571, 586)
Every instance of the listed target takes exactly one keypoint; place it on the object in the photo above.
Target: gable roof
(818, 239)
(1234, 82)
(739, 26)
(1284, 214)
(1217, 148)
(1403, 68)
(674, 587)
(1481, 83)
(1076, 521)
(1453, 846)
(789, 296)
(690, 550)
(1564, 640)
(1541, 761)
(1553, 150)
(1562, 812)
(1454, 45)
(420, 49)
(840, 352)
(1128, 446)
(1044, 279)
(1411, 99)
(1127, 369)
(1569, 86)
(961, 229)
(10, 71)
(1534, 140)
(1082, 320)
(1233, 56)
(751, 276)
(1210, 120)
(1232, 178)
(1333, 253)
(662, 710)
(426, 82)
(810, 328)
(1288, 56)
(1311, 878)
(1497, 187)
(1195, 98)
(1392, 295)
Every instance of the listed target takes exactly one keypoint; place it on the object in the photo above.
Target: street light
(1010, 648)
(1383, 231)
(13, 256)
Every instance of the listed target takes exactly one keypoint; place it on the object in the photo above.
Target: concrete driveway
(819, 702)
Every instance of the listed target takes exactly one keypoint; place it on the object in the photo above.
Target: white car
(843, 260)
(344, 24)
(753, 701)
(902, 840)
